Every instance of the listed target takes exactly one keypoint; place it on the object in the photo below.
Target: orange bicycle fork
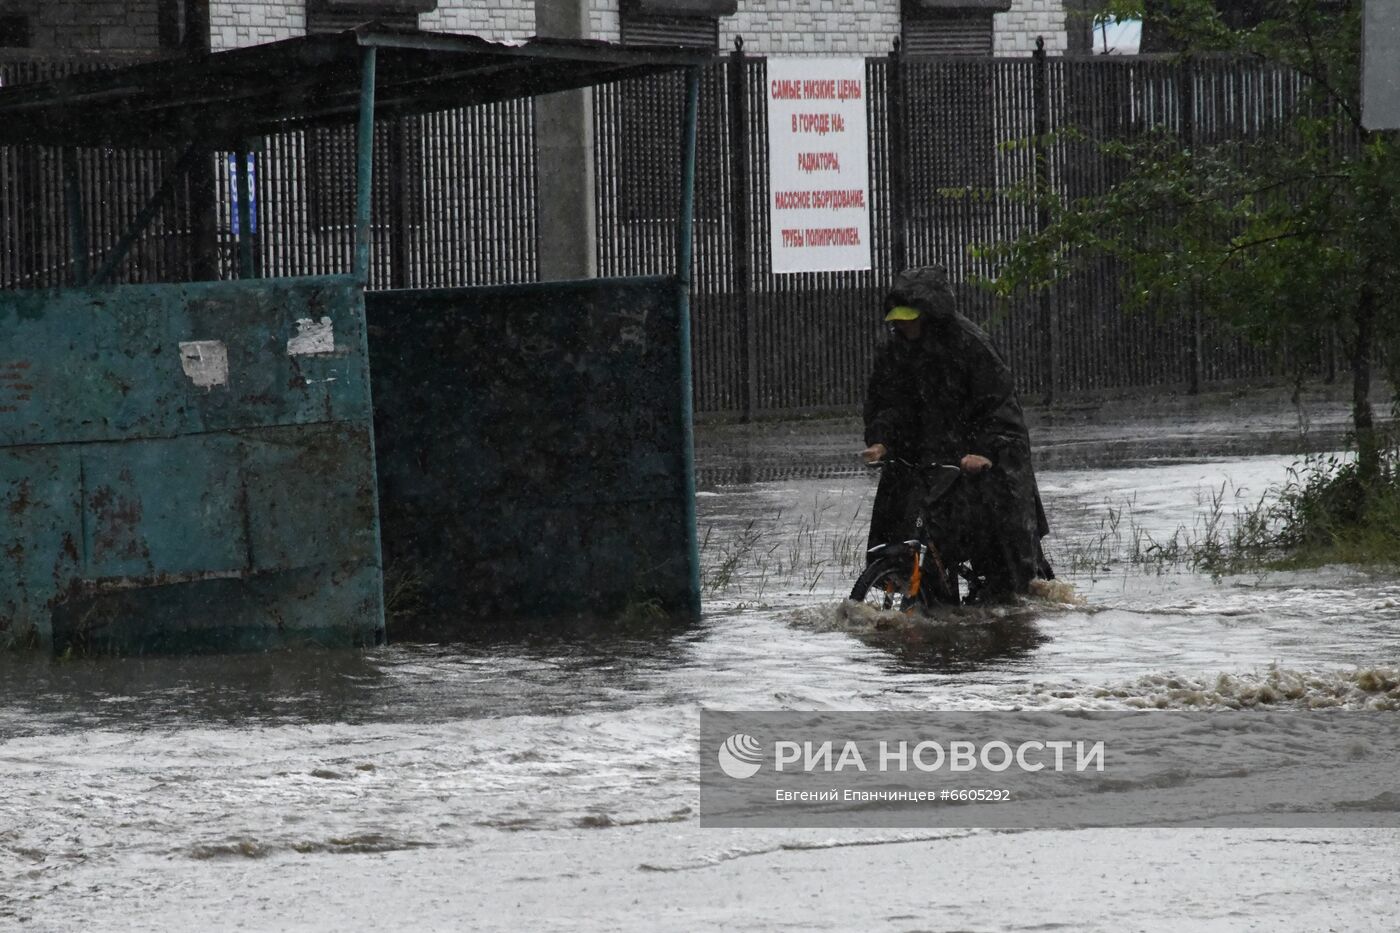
(916, 578)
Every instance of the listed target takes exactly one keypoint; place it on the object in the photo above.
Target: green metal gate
(184, 467)
(533, 449)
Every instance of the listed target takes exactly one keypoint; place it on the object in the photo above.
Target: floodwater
(552, 786)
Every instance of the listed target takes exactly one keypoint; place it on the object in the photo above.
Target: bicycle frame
(939, 479)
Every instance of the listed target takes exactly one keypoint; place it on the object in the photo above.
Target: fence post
(1047, 309)
(1187, 101)
(685, 276)
(204, 264)
(364, 168)
(77, 224)
(400, 248)
(739, 241)
(899, 194)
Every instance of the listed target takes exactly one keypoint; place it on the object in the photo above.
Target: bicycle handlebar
(901, 462)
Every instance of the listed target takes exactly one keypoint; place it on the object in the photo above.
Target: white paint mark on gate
(205, 362)
(313, 338)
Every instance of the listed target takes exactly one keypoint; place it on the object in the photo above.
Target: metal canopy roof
(225, 98)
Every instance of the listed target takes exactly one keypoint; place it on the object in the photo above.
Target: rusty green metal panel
(531, 454)
(187, 467)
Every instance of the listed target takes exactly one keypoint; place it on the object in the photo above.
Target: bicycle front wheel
(886, 583)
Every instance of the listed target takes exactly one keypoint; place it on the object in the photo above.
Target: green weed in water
(764, 553)
(1328, 513)
(1324, 513)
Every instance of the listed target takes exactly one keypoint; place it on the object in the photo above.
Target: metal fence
(1208, 102)
(454, 203)
(36, 249)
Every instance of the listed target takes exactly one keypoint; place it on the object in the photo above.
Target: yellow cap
(902, 313)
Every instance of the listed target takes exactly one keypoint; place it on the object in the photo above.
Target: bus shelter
(232, 464)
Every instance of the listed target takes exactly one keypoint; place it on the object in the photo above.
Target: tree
(1289, 238)
(1156, 32)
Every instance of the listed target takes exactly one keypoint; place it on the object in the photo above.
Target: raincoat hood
(926, 288)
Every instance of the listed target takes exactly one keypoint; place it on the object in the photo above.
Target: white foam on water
(1366, 688)
(1057, 593)
(1051, 597)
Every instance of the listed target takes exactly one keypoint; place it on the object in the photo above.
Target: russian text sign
(818, 164)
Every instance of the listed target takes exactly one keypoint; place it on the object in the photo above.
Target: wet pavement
(1120, 432)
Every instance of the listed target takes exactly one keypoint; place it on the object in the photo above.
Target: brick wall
(812, 27)
(1017, 28)
(605, 17)
(496, 19)
(89, 24)
(776, 27)
(514, 19)
(236, 23)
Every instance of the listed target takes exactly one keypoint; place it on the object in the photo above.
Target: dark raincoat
(938, 399)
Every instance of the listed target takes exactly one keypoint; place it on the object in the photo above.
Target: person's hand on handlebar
(874, 453)
(974, 463)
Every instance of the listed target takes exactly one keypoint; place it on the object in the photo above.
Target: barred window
(949, 27)
(674, 22)
(339, 15)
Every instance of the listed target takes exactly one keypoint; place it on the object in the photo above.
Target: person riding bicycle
(941, 393)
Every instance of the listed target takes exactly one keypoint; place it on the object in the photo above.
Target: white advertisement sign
(818, 164)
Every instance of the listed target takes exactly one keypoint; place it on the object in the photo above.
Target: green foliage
(1288, 238)
(1328, 512)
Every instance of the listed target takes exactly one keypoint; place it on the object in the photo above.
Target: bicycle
(914, 573)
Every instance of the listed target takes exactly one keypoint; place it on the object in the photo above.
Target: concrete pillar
(567, 235)
(1079, 26)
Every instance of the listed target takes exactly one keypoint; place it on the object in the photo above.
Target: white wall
(1017, 28)
(812, 27)
(509, 20)
(606, 19)
(496, 19)
(779, 27)
(236, 23)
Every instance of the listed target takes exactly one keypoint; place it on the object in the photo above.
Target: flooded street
(553, 785)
